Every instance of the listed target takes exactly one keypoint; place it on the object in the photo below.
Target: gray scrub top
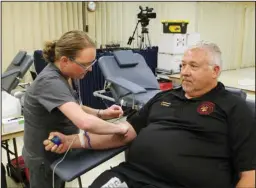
(42, 116)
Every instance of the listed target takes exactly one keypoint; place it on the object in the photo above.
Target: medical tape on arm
(83, 134)
(81, 138)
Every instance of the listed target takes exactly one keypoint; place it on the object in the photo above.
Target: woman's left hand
(114, 111)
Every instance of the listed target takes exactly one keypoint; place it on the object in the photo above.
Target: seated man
(198, 135)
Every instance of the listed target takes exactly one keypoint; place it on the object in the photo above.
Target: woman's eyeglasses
(83, 66)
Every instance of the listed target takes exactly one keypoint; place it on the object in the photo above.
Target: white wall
(229, 24)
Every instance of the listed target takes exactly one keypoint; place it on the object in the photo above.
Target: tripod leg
(149, 40)
(142, 41)
(132, 37)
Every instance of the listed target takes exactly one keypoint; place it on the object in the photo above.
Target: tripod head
(144, 30)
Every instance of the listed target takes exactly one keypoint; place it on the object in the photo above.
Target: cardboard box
(13, 124)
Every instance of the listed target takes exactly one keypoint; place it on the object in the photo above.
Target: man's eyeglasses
(83, 66)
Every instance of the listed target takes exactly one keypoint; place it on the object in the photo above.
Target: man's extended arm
(97, 141)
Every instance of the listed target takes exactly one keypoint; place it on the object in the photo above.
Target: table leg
(8, 157)
(80, 182)
(17, 162)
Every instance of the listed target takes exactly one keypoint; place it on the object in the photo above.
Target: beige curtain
(26, 25)
(232, 26)
(248, 48)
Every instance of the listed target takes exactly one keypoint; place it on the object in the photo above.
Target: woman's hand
(114, 111)
(50, 146)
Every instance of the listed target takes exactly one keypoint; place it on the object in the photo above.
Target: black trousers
(112, 179)
(40, 176)
(3, 177)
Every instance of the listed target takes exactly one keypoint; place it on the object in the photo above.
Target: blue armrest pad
(126, 84)
(10, 72)
(81, 161)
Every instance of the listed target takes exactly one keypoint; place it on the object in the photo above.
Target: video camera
(145, 14)
(143, 17)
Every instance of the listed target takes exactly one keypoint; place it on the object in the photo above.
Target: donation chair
(39, 61)
(16, 71)
(243, 95)
(237, 92)
(129, 79)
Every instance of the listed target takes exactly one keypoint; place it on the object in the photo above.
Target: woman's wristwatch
(98, 114)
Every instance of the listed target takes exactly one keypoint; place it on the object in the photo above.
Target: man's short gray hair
(213, 50)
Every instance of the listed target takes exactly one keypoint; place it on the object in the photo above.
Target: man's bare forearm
(247, 180)
(108, 141)
(104, 141)
(99, 142)
(74, 139)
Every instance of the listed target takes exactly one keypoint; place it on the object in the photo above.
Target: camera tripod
(144, 38)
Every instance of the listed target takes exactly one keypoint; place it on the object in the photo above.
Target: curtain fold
(26, 25)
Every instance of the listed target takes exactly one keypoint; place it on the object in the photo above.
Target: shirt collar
(179, 92)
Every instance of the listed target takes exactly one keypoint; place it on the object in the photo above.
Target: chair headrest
(18, 58)
(125, 58)
(236, 91)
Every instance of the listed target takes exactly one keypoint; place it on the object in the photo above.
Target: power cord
(53, 185)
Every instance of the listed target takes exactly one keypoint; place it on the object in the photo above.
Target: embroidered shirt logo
(205, 108)
(163, 103)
